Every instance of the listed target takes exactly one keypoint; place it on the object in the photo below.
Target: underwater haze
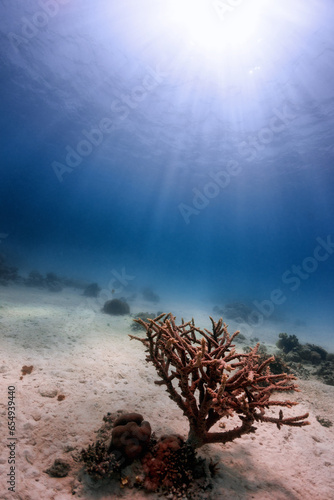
(182, 147)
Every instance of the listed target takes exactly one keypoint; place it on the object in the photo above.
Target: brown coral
(130, 435)
(172, 465)
(213, 380)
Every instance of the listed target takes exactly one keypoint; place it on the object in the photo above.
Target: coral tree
(213, 380)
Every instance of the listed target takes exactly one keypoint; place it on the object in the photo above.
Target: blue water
(135, 154)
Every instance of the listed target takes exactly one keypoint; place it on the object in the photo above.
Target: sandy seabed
(80, 353)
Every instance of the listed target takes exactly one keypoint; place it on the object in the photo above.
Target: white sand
(81, 353)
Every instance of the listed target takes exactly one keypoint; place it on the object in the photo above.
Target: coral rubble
(59, 468)
(99, 462)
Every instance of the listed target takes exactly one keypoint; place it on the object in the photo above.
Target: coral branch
(209, 380)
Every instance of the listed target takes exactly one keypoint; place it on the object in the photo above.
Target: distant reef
(50, 281)
(306, 359)
(8, 273)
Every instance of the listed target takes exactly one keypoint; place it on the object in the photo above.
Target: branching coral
(213, 380)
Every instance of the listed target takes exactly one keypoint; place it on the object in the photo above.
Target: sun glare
(214, 25)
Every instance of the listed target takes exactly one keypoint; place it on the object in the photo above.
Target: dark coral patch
(116, 307)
